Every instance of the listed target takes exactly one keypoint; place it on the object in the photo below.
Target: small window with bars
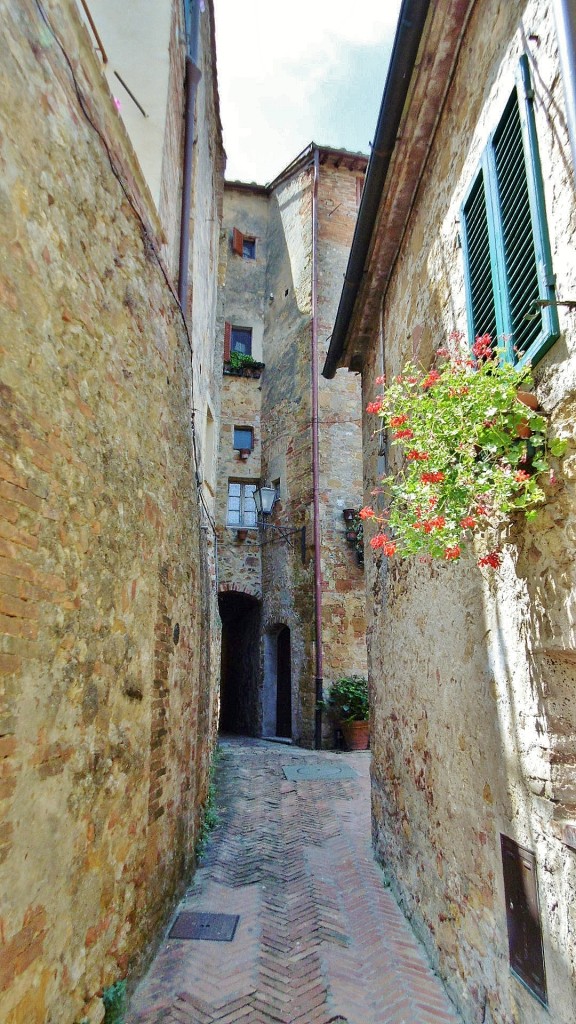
(508, 266)
(241, 504)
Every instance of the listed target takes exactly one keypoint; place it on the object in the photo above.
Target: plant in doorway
(347, 702)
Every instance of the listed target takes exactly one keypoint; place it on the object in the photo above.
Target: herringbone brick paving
(320, 939)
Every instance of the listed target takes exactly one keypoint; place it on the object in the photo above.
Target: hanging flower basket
(462, 428)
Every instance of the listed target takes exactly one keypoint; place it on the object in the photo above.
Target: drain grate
(311, 772)
(212, 927)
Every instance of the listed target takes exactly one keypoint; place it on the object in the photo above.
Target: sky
(298, 71)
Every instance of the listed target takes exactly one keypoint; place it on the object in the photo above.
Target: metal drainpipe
(316, 460)
(193, 76)
(565, 18)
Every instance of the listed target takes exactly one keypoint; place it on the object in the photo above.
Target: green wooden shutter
(478, 262)
(550, 327)
(508, 266)
(513, 225)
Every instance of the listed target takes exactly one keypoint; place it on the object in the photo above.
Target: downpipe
(319, 660)
(193, 76)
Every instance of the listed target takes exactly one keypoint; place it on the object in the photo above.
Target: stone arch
(241, 588)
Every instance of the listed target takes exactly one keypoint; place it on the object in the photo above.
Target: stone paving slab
(320, 939)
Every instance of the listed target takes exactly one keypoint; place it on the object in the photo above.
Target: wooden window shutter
(507, 256)
(478, 263)
(227, 338)
(237, 242)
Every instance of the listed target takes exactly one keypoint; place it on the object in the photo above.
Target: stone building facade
(109, 412)
(284, 250)
(473, 676)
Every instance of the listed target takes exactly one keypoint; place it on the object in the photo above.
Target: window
(241, 340)
(243, 439)
(243, 245)
(237, 339)
(241, 505)
(523, 917)
(508, 266)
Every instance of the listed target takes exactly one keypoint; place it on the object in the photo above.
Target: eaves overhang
(425, 52)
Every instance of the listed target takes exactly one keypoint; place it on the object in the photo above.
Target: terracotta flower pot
(527, 398)
(356, 735)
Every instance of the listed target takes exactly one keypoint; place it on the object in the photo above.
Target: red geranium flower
(366, 513)
(397, 421)
(432, 378)
(452, 553)
(406, 433)
(374, 407)
(468, 523)
(493, 559)
(415, 456)
(432, 478)
(521, 476)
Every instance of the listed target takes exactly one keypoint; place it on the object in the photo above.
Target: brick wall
(104, 587)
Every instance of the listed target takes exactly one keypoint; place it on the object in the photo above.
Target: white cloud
(276, 63)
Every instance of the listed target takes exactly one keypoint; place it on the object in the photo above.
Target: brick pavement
(320, 939)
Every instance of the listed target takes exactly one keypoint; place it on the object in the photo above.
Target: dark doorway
(240, 664)
(284, 684)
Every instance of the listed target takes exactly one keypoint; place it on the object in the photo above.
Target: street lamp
(264, 498)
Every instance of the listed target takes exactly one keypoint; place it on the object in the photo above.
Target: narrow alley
(319, 937)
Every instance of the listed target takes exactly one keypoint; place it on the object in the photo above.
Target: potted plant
(474, 452)
(347, 702)
(242, 365)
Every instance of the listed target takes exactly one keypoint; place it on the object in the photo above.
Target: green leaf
(558, 446)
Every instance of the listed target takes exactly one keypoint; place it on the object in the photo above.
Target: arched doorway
(277, 692)
(240, 664)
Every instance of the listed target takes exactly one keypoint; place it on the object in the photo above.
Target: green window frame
(505, 241)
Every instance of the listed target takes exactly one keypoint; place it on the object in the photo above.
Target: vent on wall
(523, 917)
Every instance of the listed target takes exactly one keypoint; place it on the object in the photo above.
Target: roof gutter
(411, 22)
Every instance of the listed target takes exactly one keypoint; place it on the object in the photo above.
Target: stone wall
(104, 582)
(286, 436)
(343, 595)
(273, 295)
(473, 676)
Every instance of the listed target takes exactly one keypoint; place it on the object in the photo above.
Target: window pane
(243, 438)
(249, 248)
(241, 340)
(233, 518)
(234, 489)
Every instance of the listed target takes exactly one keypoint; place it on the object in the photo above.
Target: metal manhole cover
(214, 927)
(311, 772)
